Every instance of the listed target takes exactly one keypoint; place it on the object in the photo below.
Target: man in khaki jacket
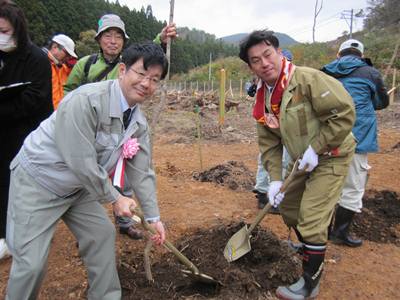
(312, 115)
(63, 172)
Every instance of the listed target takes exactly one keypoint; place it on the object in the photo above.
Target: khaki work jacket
(315, 110)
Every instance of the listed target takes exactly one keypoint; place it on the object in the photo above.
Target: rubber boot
(340, 232)
(307, 287)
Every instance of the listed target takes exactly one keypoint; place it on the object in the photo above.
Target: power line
(349, 14)
(308, 26)
(322, 23)
(305, 29)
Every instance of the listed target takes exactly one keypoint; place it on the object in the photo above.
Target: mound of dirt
(389, 117)
(232, 174)
(380, 218)
(269, 264)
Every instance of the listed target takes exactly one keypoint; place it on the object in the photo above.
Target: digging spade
(193, 271)
(239, 244)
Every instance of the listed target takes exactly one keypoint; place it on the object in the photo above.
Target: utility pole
(351, 24)
(349, 14)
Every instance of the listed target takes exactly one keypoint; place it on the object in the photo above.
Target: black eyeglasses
(153, 80)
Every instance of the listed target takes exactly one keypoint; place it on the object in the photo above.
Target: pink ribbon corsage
(129, 150)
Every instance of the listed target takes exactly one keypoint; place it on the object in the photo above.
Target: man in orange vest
(60, 50)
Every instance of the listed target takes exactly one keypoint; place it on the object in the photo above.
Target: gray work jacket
(78, 147)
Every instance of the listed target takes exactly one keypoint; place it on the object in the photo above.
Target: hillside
(284, 39)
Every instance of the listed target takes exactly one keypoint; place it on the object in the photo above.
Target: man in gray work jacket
(63, 169)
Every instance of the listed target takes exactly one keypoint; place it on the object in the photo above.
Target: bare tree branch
(389, 66)
(316, 13)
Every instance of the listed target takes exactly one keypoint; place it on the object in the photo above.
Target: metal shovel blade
(238, 245)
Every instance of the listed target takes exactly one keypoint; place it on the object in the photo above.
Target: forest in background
(191, 51)
(78, 19)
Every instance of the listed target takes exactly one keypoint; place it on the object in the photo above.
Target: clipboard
(14, 88)
(17, 85)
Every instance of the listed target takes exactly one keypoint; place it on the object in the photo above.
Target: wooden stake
(171, 20)
(222, 98)
(198, 126)
(163, 97)
(230, 88)
(389, 66)
(393, 92)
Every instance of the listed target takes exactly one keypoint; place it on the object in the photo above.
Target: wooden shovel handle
(283, 188)
(292, 174)
(166, 244)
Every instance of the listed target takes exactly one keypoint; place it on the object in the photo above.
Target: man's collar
(261, 82)
(270, 88)
(124, 103)
(119, 105)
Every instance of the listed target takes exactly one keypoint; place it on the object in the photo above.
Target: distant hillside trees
(383, 14)
(86, 44)
(380, 37)
(77, 18)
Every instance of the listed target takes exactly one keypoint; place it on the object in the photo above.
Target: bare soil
(204, 191)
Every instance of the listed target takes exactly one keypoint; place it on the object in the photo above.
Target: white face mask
(7, 43)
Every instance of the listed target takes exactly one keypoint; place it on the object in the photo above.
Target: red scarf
(281, 84)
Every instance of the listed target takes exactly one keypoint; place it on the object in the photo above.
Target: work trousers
(311, 197)
(33, 213)
(354, 185)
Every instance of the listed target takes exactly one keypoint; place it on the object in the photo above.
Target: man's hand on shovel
(159, 237)
(122, 206)
(156, 228)
(275, 196)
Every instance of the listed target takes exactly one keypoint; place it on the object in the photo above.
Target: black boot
(340, 232)
(262, 199)
(307, 287)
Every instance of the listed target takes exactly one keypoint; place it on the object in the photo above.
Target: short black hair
(350, 51)
(14, 14)
(255, 38)
(151, 53)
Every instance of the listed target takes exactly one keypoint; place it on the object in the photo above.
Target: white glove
(309, 160)
(274, 195)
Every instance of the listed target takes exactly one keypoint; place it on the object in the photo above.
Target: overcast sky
(226, 17)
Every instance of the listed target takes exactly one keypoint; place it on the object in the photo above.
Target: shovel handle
(283, 188)
(291, 175)
(259, 217)
(183, 259)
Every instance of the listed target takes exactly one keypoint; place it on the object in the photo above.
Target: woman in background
(23, 107)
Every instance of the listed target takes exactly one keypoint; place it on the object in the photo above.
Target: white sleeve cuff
(152, 220)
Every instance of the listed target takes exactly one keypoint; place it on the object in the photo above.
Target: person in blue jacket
(364, 83)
